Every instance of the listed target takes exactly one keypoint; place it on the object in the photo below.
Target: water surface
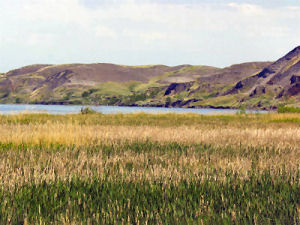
(67, 109)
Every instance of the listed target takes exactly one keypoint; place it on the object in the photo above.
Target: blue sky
(136, 32)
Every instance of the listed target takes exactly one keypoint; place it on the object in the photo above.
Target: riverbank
(166, 105)
(66, 109)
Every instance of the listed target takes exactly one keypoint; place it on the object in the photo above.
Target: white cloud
(145, 36)
(247, 9)
(38, 39)
(105, 32)
(294, 8)
(216, 34)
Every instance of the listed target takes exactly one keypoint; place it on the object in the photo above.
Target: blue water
(67, 109)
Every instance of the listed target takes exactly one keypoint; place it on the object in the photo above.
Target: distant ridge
(251, 85)
(282, 77)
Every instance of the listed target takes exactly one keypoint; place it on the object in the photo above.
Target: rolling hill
(250, 85)
(277, 83)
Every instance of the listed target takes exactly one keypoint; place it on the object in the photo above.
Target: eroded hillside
(250, 85)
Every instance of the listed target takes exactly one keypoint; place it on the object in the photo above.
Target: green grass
(136, 119)
(261, 199)
(139, 181)
(216, 196)
(288, 109)
(112, 88)
(225, 101)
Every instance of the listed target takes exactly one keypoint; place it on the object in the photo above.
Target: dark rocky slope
(251, 85)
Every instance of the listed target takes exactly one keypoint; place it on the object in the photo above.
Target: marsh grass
(287, 109)
(157, 169)
(261, 199)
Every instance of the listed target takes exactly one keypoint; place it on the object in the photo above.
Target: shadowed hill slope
(250, 85)
(278, 74)
(280, 81)
(60, 83)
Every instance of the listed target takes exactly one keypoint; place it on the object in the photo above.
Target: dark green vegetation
(260, 199)
(250, 85)
(285, 109)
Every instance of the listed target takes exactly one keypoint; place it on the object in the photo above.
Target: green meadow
(93, 168)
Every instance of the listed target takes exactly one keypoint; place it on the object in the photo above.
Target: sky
(142, 32)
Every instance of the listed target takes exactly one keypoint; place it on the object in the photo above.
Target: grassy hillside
(250, 85)
(116, 85)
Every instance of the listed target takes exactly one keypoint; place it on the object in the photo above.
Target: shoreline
(150, 106)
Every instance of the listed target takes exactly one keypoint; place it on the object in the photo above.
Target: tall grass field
(150, 169)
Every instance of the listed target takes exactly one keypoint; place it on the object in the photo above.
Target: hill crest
(251, 85)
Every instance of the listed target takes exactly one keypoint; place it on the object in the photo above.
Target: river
(67, 109)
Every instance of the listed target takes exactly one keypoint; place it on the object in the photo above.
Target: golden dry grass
(80, 135)
(235, 145)
(91, 168)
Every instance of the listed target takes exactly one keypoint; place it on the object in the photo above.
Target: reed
(140, 168)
